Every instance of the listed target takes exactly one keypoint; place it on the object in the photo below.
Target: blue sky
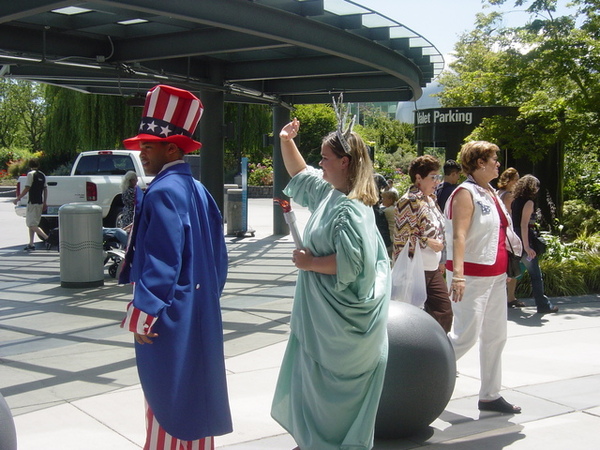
(442, 21)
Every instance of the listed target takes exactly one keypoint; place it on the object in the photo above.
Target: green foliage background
(548, 69)
(79, 122)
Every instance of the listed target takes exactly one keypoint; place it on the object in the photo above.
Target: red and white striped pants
(158, 439)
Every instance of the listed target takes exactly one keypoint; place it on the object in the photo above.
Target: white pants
(482, 314)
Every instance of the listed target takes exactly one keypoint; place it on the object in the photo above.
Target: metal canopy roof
(274, 51)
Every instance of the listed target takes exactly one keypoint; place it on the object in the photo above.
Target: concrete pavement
(68, 371)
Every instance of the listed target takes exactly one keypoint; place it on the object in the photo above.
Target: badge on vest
(485, 209)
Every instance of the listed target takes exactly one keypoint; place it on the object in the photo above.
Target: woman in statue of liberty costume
(333, 370)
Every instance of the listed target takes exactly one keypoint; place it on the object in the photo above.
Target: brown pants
(438, 303)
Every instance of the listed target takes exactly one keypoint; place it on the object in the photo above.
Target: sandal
(500, 405)
(516, 304)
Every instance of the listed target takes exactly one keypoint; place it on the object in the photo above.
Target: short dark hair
(451, 166)
(422, 165)
(34, 163)
(380, 181)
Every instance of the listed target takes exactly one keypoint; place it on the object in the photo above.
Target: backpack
(382, 225)
(37, 187)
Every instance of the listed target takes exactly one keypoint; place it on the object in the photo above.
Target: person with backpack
(37, 188)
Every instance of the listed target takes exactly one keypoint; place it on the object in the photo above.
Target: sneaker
(548, 310)
(29, 247)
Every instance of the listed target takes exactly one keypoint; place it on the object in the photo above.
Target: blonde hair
(507, 176)
(360, 170)
(392, 195)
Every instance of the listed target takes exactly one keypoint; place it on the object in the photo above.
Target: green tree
(249, 123)
(78, 122)
(22, 114)
(386, 134)
(316, 122)
(547, 67)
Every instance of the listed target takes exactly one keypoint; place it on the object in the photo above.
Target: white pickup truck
(95, 179)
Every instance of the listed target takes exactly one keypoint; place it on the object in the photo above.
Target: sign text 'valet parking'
(444, 116)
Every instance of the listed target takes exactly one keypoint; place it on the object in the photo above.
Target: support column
(281, 116)
(211, 136)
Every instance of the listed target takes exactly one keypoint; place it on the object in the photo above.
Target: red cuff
(137, 321)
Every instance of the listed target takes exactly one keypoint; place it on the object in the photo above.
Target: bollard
(81, 253)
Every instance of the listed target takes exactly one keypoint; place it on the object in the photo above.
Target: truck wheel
(47, 224)
(119, 221)
(110, 221)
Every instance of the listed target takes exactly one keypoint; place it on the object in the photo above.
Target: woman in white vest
(477, 228)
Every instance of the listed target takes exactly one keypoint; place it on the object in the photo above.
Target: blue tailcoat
(179, 267)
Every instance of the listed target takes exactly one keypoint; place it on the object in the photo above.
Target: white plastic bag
(408, 278)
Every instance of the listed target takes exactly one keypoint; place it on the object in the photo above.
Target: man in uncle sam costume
(177, 260)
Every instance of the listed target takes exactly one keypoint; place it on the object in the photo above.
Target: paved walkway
(68, 371)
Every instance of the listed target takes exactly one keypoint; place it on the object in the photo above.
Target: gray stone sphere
(420, 375)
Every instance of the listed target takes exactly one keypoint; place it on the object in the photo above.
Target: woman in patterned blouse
(419, 221)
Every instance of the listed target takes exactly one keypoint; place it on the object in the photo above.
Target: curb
(8, 191)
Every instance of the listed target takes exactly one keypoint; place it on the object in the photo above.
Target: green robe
(332, 373)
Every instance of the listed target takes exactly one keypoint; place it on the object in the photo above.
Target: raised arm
(293, 160)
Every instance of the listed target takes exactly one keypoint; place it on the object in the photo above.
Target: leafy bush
(64, 169)
(587, 243)
(6, 179)
(591, 272)
(582, 177)
(568, 268)
(578, 217)
(20, 166)
(393, 165)
(557, 250)
(9, 155)
(261, 174)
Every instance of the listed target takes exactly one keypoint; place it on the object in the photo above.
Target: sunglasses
(436, 177)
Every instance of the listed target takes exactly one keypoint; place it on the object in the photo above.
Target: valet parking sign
(444, 116)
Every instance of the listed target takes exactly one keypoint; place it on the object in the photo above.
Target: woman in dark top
(523, 207)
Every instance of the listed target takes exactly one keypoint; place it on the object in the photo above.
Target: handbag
(514, 266)
(513, 269)
(538, 243)
(408, 278)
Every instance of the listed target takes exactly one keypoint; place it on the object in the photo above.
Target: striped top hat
(170, 115)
